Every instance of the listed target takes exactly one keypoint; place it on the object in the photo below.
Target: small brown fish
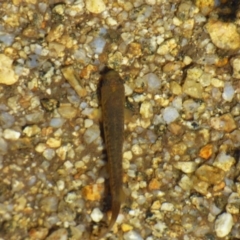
(112, 99)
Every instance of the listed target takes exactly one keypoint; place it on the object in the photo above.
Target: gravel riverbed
(180, 62)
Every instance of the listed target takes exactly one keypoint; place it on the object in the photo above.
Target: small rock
(49, 154)
(154, 184)
(209, 174)
(235, 62)
(167, 207)
(53, 142)
(186, 167)
(224, 34)
(152, 81)
(193, 88)
(36, 117)
(32, 130)
(223, 224)
(57, 122)
(7, 75)
(92, 192)
(95, 6)
(146, 110)
(126, 227)
(228, 92)
(91, 134)
(170, 114)
(206, 151)
(132, 235)
(224, 161)
(49, 204)
(224, 123)
(11, 134)
(96, 215)
(67, 111)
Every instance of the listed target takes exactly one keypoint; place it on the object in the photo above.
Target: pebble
(228, 92)
(206, 151)
(193, 88)
(170, 114)
(146, 109)
(210, 174)
(67, 111)
(95, 6)
(49, 204)
(7, 74)
(31, 131)
(11, 134)
(224, 161)
(224, 35)
(57, 122)
(49, 153)
(53, 142)
(167, 207)
(96, 215)
(224, 123)
(223, 224)
(91, 134)
(152, 81)
(132, 235)
(3, 146)
(186, 167)
(235, 62)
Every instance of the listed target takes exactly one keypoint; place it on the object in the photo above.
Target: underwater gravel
(180, 61)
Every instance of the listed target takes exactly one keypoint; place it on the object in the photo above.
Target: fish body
(112, 100)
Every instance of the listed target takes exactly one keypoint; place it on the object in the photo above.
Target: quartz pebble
(91, 134)
(224, 224)
(224, 161)
(170, 114)
(96, 215)
(11, 134)
(228, 92)
(7, 75)
(132, 235)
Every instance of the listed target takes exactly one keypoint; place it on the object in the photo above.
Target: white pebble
(88, 123)
(57, 122)
(11, 134)
(228, 92)
(98, 45)
(91, 134)
(170, 114)
(132, 235)
(96, 215)
(224, 224)
(167, 207)
(49, 153)
(153, 82)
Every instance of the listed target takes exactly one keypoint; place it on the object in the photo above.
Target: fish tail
(116, 205)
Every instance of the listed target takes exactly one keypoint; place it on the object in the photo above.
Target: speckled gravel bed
(180, 61)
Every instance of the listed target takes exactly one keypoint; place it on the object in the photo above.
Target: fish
(112, 101)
